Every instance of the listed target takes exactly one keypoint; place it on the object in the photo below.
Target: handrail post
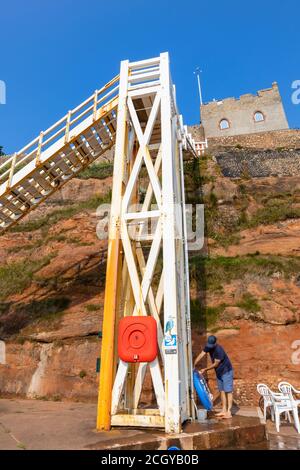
(95, 105)
(67, 133)
(11, 171)
(39, 149)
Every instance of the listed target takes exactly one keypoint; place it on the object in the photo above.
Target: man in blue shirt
(224, 371)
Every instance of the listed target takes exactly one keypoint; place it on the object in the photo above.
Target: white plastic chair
(284, 404)
(287, 390)
(282, 388)
(271, 400)
(264, 391)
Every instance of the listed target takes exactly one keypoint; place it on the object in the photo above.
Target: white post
(155, 131)
(2, 352)
(172, 419)
(197, 72)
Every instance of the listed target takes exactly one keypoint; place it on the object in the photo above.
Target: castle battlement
(250, 113)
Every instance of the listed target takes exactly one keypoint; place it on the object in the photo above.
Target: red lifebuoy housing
(137, 340)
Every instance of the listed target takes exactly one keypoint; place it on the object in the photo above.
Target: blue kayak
(202, 390)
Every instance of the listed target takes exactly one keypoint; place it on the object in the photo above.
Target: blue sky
(54, 54)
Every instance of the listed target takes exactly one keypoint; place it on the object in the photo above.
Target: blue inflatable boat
(202, 390)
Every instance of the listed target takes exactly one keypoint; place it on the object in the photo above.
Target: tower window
(224, 124)
(259, 117)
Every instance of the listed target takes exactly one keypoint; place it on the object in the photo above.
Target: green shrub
(82, 374)
(272, 214)
(205, 315)
(93, 307)
(97, 170)
(249, 303)
(16, 277)
(213, 200)
(210, 273)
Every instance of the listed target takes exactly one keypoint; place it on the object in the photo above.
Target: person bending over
(224, 372)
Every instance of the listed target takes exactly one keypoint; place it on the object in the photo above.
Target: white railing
(188, 141)
(62, 128)
(201, 147)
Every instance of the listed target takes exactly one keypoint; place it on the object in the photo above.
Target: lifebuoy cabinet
(137, 340)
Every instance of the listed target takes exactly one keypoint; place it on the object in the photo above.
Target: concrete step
(238, 432)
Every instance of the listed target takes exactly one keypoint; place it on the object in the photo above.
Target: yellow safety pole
(107, 349)
(113, 262)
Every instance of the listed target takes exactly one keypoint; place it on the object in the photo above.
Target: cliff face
(52, 277)
(244, 284)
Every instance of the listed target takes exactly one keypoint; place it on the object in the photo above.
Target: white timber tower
(147, 263)
(147, 259)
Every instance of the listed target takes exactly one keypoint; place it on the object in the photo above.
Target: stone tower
(246, 115)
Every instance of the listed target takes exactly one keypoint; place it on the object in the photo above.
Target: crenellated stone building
(246, 115)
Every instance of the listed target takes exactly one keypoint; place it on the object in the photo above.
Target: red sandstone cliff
(245, 290)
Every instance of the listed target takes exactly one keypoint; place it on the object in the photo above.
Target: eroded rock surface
(247, 292)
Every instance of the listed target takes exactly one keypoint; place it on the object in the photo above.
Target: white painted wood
(143, 138)
(132, 269)
(149, 75)
(51, 145)
(149, 191)
(140, 376)
(187, 291)
(153, 178)
(158, 385)
(172, 398)
(136, 71)
(154, 308)
(141, 215)
(182, 332)
(138, 420)
(118, 385)
(144, 85)
(152, 118)
(151, 262)
(132, 181)
(75, 141)
(144, 63)
(140, 92)
(155, 312)
(141, 289)
(135, 121)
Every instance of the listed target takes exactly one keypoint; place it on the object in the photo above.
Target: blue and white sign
(170, 340)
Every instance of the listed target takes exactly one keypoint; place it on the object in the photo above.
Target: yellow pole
(107, 349)
(113, 263)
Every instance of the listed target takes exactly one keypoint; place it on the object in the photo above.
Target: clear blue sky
(53, 54)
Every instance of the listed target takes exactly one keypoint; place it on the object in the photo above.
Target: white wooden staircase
(60, 153)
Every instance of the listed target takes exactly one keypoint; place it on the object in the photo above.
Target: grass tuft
(16, 277)
(97, 170)
(93, 307)
(249, 303)
(210, 273)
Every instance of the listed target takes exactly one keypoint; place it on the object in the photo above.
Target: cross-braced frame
(147, 265)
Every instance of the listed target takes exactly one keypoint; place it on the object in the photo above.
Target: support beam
(113, 263)
(148, 190)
